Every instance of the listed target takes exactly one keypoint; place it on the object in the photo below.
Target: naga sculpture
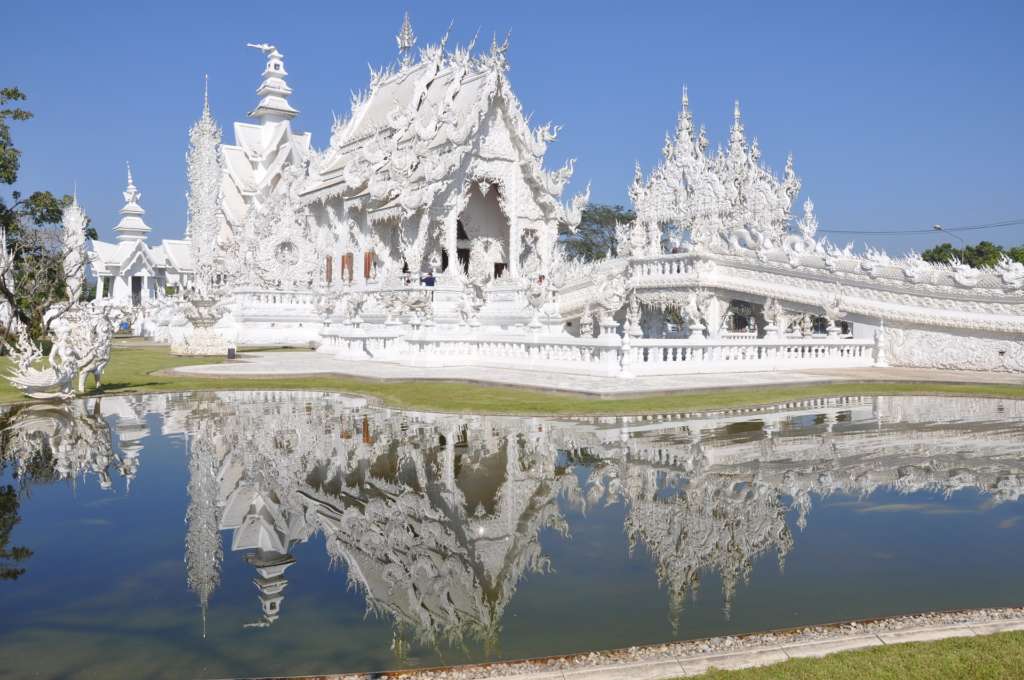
(51, 382)
(80, 332)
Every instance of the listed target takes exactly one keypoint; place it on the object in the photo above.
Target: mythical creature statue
(96, 338)
(51, 382)
(773, 315)
(697, 310)
(611, 296)
(80, 332)
(1011, 273)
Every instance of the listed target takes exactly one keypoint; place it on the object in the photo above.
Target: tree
(595, 236)
(983, 254)
(941, 254)
(30, 225)
(10, 556)
(33, 469)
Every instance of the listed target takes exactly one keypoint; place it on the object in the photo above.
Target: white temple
(130, 271)
(427, 232)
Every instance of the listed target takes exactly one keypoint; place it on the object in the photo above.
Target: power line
(898, 232)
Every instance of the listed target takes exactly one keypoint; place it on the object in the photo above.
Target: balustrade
(602, 355)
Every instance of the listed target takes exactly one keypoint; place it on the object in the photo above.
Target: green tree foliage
(941, 254)
(983, 254)
(17, 211)
(10, 556)
(30, 224)
(595, 237)
(39, 467)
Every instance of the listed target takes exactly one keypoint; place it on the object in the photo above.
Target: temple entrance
(136, 291)
(482, 241)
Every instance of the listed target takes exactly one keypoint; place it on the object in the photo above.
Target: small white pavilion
(131, 271)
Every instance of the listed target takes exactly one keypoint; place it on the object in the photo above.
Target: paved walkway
(301, 363)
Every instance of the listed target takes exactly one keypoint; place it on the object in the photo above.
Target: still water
(264, 533)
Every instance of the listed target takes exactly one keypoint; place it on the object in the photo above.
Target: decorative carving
(931, 349)
(203, 170)
(52, 382)
(729, 197)
(203, 340)
(80, 332)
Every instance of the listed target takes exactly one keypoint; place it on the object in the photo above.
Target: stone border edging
(733, 652)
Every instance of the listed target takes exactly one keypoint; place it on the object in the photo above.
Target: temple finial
(273, 90)
(447, 34)
(131, 226)
(406, 39)
(686, 99)
(736, 139)
(206, 92)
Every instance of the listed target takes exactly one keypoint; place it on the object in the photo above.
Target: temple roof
(132, 226)
(418, 122)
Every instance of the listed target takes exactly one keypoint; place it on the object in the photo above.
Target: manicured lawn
(132, 370)
(978, 658)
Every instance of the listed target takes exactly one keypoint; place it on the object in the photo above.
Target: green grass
(985, 657)
(135, 370)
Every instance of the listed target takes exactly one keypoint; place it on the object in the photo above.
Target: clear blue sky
(900, 115)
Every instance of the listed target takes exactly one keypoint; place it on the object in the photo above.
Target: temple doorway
(482, 241)
(136, 291)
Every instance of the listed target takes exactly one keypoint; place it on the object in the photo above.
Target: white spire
(206, 94)
(737, 141)
(273, 90)
(74, 222)
(406, 39)
(132, 227)
(203, 169)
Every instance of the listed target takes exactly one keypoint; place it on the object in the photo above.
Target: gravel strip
(683, 650)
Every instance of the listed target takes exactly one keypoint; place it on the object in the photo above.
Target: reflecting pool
(263, 533)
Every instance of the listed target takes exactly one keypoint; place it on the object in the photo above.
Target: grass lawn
(985, 657)
(132, 370)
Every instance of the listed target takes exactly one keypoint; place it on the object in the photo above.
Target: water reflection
(437, 518)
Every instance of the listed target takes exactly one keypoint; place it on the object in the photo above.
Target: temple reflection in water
(436, 518)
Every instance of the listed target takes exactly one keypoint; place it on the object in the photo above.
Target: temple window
(347, 266)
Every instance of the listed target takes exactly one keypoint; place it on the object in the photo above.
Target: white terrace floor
(280, 364)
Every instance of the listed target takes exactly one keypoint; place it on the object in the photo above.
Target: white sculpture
(80, 332)
(205, 176)
(51, 382)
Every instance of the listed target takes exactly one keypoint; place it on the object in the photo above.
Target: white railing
(662, 265)
(607, 355)
(658, 357)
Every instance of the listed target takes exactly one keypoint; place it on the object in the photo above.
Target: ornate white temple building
(427, 232)
(130, 271)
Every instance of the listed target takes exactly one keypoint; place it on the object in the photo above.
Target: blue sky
(900, 115)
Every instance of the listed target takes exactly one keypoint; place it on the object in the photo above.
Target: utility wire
(897, 232)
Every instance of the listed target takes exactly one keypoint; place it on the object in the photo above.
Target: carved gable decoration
(279, 247)
(727, 198)
(497, 139)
